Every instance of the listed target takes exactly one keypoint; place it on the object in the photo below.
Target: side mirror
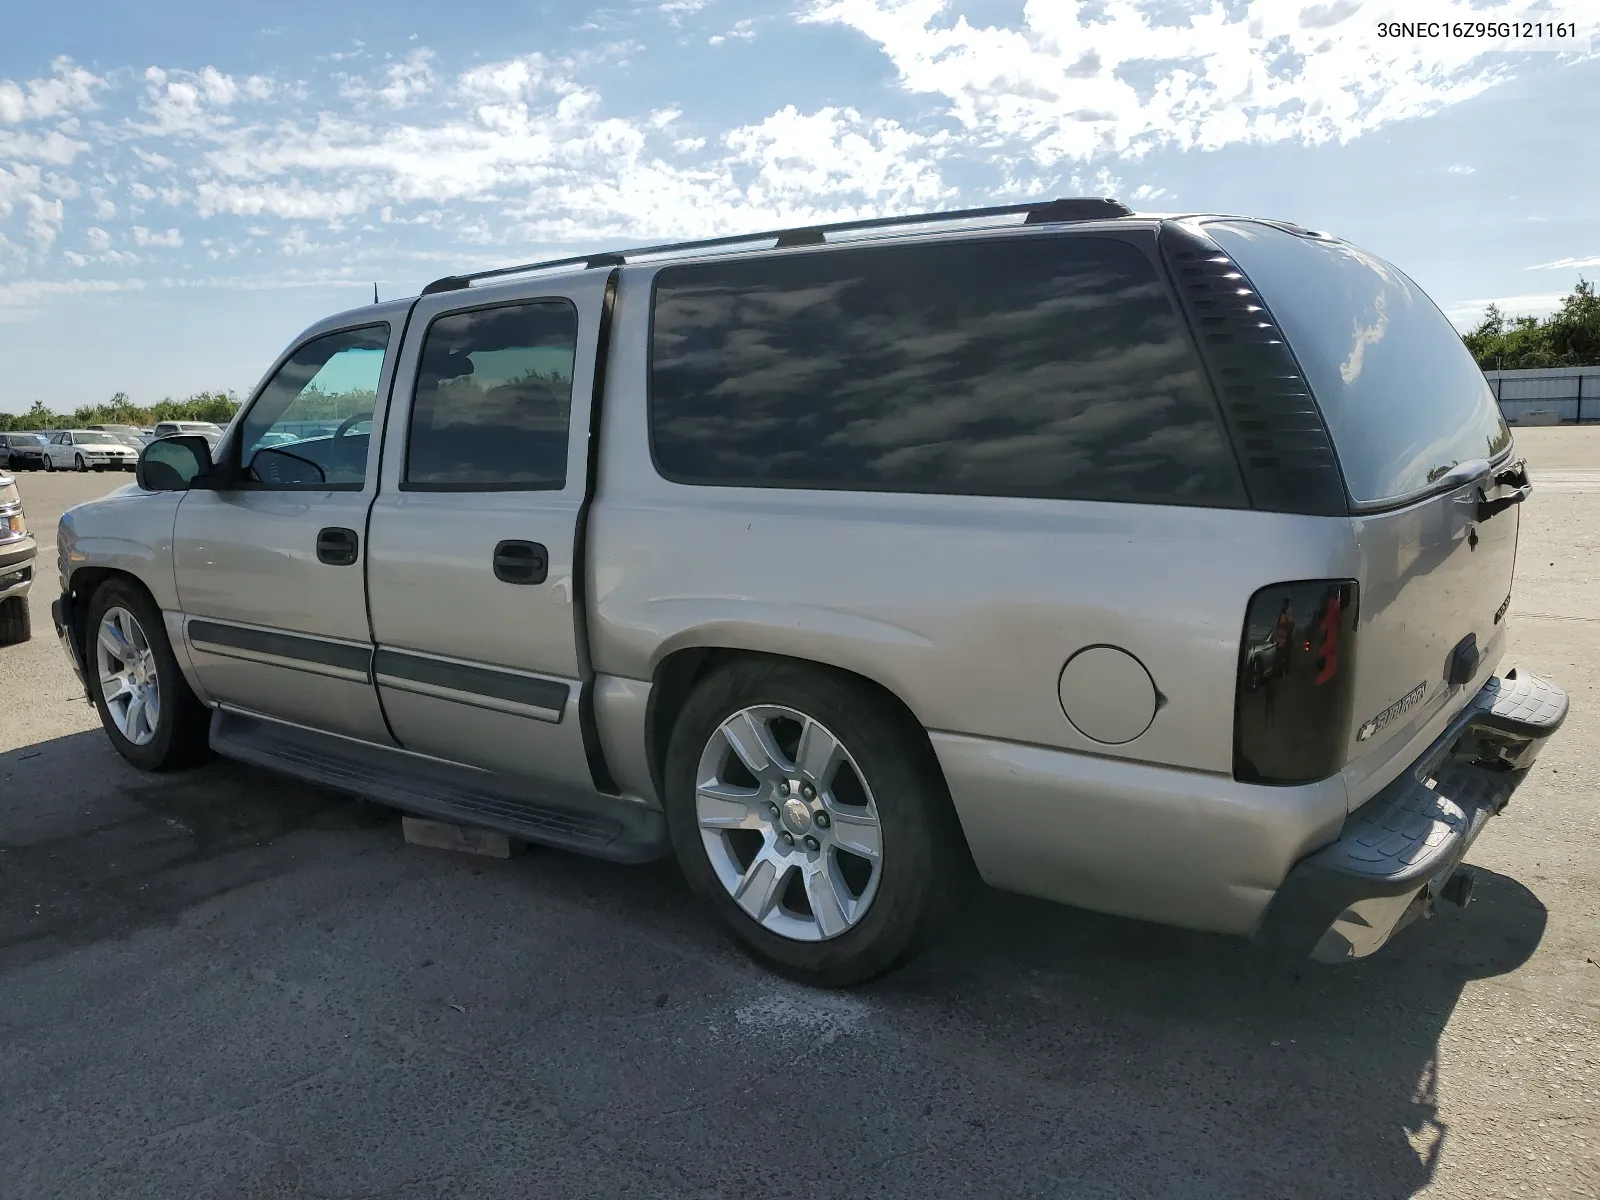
(174, 464)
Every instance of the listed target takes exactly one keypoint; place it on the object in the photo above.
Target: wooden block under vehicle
(441, 835)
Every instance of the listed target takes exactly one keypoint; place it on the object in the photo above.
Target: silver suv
(1157, 565)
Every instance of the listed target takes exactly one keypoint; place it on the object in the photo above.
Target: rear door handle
(521, 562)
(337, 547)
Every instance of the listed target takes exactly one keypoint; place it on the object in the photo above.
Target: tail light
(1296, 686)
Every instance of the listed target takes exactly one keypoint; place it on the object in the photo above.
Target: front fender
(128, 531)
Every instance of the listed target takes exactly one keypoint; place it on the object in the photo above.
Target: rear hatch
(1424, 453)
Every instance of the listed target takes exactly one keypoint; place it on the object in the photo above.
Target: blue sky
(184, 184)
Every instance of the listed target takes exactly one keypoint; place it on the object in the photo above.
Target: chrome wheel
(129, 682)
(789, 823)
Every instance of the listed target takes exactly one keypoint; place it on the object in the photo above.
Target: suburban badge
(1407, 702)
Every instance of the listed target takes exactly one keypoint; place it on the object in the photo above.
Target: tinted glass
(1044, 366)
(311, 424)
(1402, 396)
(494, 389)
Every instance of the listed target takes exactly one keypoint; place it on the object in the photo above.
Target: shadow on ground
(1035, 1050)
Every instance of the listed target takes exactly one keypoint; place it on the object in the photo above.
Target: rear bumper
(1397, 852)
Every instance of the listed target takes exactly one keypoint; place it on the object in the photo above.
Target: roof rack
(1039, 212)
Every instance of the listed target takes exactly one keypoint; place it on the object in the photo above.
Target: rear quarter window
(1051, 366)
(1403, 399)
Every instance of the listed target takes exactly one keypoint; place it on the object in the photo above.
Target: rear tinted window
(1049, 367)
(1402, 396)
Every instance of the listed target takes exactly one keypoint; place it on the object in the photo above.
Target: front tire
(78, 464)
(149, 711)
(813, 818)
(16, 623)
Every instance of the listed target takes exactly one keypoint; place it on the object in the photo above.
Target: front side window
(312, 423)
(1051, 367)
(493, 395)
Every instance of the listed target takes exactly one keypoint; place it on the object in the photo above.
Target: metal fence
(1548, 396)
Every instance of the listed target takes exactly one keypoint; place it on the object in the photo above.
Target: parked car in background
(22, 451)
(88, 449)
(1055, 540)
(206, 429)
(17, 553)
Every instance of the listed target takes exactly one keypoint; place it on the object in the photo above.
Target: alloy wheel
(789, 823)
(129, 681)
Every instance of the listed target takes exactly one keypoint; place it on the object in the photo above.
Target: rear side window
(494, 389)
(1050, 367)
(1402, 396)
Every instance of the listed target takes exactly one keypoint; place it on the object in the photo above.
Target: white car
(206, 429)
(81, 449)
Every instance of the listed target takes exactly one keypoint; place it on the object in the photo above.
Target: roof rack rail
(1038, 212)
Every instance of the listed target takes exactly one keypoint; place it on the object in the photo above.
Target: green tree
(119, 410)
(1569, 337)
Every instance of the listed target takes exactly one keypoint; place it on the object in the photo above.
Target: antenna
(374, 293)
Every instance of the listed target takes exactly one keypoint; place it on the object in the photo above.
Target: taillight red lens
(1296, 683)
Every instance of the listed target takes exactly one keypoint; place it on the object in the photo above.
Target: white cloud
(44, 219)
(676, 10)
(1461, 169)
(98, 238)
(52, 147)
(69, 89)
(22, 296)
(195, 104)
(1079, 80)
(147, 237)
(408, 80)
(1567, 264)
(104, 210)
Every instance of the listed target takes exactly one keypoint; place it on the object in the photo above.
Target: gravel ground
(223, 983)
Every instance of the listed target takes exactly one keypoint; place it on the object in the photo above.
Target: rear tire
(180, 733)
(49, 463)
(16, 623)
(870, 915)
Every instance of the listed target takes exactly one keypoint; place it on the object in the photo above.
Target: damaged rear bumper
(1401, 851)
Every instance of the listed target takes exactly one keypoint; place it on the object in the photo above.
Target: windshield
(1403, 398)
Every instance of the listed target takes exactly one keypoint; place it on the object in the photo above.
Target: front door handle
(338, 547)
(521, 562)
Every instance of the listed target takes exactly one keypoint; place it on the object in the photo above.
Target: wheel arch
(81, 587)
(678, 673)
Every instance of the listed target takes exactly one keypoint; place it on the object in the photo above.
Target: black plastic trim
(283, 645)
(1282, 443)
(548, 694)
(588, 723)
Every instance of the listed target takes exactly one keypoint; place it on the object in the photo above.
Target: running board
(600, 826)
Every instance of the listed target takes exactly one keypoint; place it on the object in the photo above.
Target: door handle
(521, 562)
(337, 547)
